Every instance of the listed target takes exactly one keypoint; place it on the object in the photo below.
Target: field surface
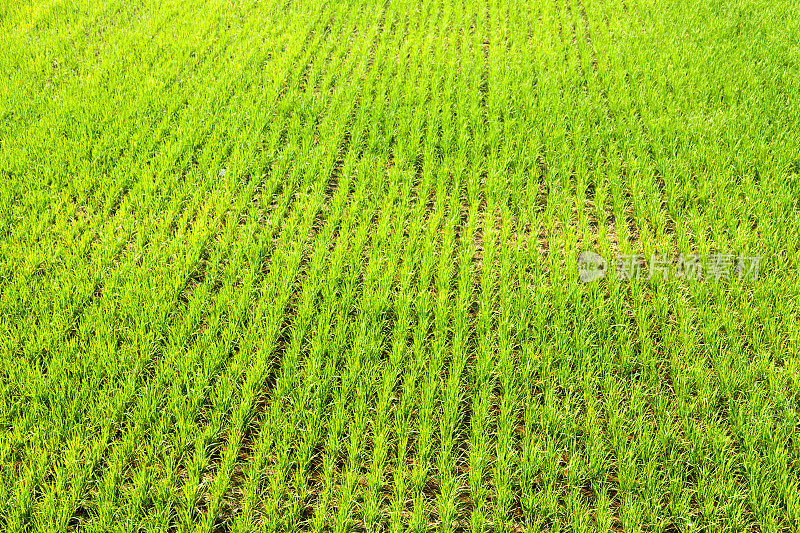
(298, 265)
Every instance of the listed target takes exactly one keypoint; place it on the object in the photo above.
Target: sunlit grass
(291, 266)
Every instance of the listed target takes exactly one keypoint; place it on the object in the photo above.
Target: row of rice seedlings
(91, 328)
(89, 374)
(359, 384)
(505, 155)
(300, 327)
(61, 360)
(318, 380)
(575, 514)
(577, 450)
(349, 440)
(459, 246)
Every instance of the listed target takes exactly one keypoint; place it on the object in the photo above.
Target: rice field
(295, 265)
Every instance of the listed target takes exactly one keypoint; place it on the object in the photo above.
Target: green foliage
(311, 266)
